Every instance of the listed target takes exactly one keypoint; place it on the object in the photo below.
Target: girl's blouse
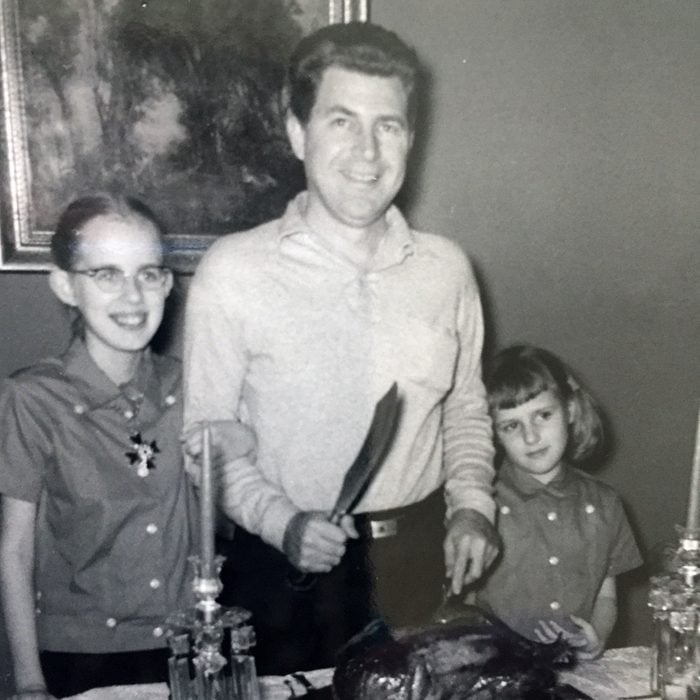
(116, 516)
(560, 541)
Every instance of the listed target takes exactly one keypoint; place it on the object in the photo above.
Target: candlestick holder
(197, 666)
(674, 598)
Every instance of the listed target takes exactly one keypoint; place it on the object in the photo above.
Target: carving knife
(362, 470)
(369, 458)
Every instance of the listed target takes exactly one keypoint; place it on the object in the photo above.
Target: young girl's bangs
(515, 386)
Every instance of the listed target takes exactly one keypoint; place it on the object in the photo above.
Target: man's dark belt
(378, 524)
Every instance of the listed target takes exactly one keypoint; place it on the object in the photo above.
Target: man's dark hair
(355, 46)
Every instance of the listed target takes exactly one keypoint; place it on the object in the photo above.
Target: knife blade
(371, 455)
(374, 448)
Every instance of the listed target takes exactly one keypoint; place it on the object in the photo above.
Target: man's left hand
(470, 547)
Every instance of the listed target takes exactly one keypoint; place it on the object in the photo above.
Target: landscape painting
(174, 101)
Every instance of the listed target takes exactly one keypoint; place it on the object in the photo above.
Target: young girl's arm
(602, 619)
(17, 587)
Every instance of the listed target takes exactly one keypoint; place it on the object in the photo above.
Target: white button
(555, 605)
(155, 583)
(590, 509)
(170, 400)
(553, 560)
(38, 595)
(505, 510)
(78, 409)
(157, 631)
(551, 515)
(151, 528)
(111, 622)
(128, 414)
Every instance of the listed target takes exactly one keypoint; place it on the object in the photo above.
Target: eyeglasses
(112, 280)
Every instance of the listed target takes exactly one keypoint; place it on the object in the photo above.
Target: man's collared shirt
(560, 541)
(115, 513)
(296, 340)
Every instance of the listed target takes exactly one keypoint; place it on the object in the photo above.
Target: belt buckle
(383, 528)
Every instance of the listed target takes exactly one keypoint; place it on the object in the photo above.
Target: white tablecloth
(619, 673)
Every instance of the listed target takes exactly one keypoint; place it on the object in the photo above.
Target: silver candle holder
(198, 668)
(674, 598)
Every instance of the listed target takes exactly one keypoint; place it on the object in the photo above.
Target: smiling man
(299, 326)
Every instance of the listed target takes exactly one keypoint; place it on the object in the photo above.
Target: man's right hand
(314, 544)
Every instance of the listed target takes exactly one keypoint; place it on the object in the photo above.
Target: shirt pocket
(420, 354)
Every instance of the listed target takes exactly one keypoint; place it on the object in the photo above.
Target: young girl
(565, 534)
(97, 512)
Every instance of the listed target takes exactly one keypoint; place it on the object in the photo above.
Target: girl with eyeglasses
(98, 514)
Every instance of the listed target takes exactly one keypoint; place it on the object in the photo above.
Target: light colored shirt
(560, 541)
(295, 340)
(112, 534)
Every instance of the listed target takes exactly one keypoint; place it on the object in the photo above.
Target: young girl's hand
(584, 640)
(230, 440)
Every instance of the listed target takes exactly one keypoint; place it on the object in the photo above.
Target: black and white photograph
(349, 349)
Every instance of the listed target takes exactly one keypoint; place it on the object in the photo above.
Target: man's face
(354, 147)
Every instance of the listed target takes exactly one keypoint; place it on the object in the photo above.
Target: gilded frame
(24, 247)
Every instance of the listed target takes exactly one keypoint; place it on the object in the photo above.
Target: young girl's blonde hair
(521, 372)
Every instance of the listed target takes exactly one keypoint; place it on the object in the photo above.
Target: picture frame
(138, 95)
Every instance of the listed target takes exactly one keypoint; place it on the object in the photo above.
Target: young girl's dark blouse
(560, 541)
(112, 543)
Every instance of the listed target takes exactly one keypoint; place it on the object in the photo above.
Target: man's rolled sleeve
(254, 503)
(467, 431)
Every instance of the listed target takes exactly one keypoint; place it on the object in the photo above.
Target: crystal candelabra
(198, 669)
(674, 598)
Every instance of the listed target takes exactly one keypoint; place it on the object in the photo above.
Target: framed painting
(174, 101)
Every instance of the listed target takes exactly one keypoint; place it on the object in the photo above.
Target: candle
(693, 521)
(206, 508)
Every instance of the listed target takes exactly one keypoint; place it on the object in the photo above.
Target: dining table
(619, 673)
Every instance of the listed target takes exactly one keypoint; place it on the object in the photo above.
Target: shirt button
(128, 414)
(157, 631)
(505, 510)
(170, 400)
(155, 583)
(551, 515)
(553, 560)
(555, 605)
(590, 509)
(151, 528)
(111, 622)
(78, 409)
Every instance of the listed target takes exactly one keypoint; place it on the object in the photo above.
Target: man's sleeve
(467, 433)
(215, 366)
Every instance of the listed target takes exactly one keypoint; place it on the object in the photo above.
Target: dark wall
(561, 151)
(563, 155)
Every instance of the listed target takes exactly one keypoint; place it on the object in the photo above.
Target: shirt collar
(397, 244)
(97, 389)
(527, 486)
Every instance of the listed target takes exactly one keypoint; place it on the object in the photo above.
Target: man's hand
(470, 547)
(313, 544)
(230, 440)
(585, 640)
